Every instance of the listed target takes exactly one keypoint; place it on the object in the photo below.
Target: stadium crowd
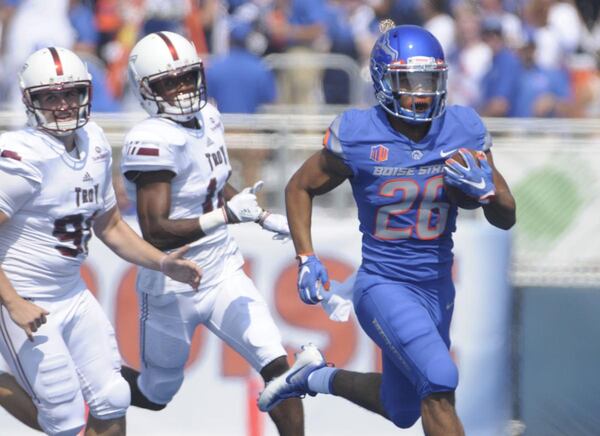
(508, 58)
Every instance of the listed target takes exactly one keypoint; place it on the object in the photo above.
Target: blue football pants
(410, 323)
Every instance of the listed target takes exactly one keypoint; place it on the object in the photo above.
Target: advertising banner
(218, 396)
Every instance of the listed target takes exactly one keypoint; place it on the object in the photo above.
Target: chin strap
(178, 118)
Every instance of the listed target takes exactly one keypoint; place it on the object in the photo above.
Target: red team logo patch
(379, 153)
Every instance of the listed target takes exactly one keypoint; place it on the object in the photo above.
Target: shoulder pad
(152, 146)
(156, 131)
(96, 136)
(93, 127)
(211, 117)
(352, 124)
(473, 125)
(19, 157)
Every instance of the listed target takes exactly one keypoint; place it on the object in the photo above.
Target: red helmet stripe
(169, 45)
(57, 62)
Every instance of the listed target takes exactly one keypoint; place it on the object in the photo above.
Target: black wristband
(231, 218)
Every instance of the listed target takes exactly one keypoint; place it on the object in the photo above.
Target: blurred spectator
(470, 60)
(558, 27)
(27, 26)
(164, 15)
(439, 23)
(512, 26)
(240, 82)
(102, 99)
(348, 24)
(400, 11)
(564, 20)
(500, 84)
(194, 27)
(566, 37)
(589, 10)
(108, 22)
(295, 23)
(212, 16)
(86, 42)
(232, 5)
(189, 18)
(543, 92)
(127, 19)
(535, 14)
(83, 22)
(296, 27)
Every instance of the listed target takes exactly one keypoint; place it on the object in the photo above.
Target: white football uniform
(228, 303)
(52, 198)
(45, 242)
(199, 160)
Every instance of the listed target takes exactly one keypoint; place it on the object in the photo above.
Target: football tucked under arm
(468, 180)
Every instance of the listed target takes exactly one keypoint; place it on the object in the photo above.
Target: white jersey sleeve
(15, 191)
(20, 174)
(147, 149)
(15, 159)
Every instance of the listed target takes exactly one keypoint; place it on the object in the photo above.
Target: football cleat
(293, 382)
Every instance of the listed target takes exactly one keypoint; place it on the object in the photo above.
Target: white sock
(320, 379)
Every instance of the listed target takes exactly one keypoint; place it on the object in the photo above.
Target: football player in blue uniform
(396, 156)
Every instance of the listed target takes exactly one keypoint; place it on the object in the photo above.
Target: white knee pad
(160, 385)
(164, 355)
(61, 410)
(112, 402)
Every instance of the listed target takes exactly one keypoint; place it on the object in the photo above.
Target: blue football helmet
(409, 74)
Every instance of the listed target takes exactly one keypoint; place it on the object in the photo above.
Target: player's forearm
(229, 192)
(126, 244)
(501, 211)
(111, 229)
(298, 204)
(7, 291)
(167, 234)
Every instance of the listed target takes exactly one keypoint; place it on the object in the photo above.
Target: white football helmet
(56, 70)
(155, 59)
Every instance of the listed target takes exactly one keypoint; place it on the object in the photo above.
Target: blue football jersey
(404, 213)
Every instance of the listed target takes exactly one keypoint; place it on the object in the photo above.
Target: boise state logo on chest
(396, 166)
(379, 153)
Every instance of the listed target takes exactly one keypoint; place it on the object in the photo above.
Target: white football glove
(275, 223)
(241, 208)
